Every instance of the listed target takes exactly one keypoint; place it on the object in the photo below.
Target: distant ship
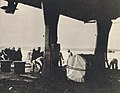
(111, 51)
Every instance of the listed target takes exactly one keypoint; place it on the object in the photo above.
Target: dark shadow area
(80, 10)
(22, 84)
(12, 5)
(33, 3)
(5, 7)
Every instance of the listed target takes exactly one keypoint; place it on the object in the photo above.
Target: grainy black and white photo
(59, 46)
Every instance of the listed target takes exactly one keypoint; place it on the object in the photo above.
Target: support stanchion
(5, 65)
(19, 67)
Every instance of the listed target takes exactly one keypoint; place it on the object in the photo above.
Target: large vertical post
(51, 17)
(55, 48)
(103, 27)
(47, 61)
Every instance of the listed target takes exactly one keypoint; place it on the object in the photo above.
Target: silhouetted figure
(114, 64)
(29, 56)
(69, 54)
(8, 51)
(34, 54)
(37, 59)
(11, 6)
(4, 55)
(38, 52)
(41, 57)
(13, 54)
(1, 56)
(60, 58)
(19, 55)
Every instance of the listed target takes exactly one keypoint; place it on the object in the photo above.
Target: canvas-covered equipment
(76, 68)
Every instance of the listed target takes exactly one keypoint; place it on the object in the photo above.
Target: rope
(78, 69)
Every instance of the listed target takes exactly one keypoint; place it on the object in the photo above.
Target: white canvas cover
(76, 68)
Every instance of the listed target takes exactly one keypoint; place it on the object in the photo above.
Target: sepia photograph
(59, 46)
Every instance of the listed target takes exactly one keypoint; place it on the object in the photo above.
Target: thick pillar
(55, 49)
(103, 28)
(51, 17)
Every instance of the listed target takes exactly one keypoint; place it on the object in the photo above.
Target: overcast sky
(26, 28)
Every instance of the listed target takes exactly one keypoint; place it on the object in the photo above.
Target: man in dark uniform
(60, 58)
(114, 64)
